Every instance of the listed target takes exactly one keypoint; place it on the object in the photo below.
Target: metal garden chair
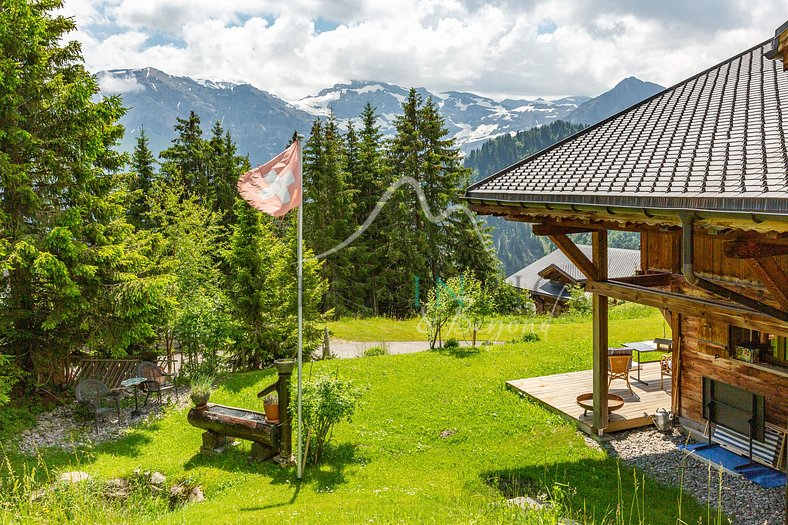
(157, 380)
(98, 398)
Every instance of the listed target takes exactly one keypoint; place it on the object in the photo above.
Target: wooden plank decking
(559, 392)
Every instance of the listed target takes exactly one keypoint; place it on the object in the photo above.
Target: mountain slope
(626, 93)
(471, 119)
(260, 123)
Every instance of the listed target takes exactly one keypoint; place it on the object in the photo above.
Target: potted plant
(271, 405)
(202, 386)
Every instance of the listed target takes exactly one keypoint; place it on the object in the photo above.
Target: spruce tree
(328, 212)
(73, 272)
(185, 162)
(224, 166)
(143, 175)
(420, 251)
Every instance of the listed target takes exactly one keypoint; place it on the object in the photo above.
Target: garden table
(133, 383)
(639, 347)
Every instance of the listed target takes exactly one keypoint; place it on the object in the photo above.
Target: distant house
(547, 280)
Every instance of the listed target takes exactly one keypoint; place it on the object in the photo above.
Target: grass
(502, 328)
(391, 465)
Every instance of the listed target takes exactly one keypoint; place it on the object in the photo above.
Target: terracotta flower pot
(271, 413)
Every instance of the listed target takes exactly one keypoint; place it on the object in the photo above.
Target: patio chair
(98, 398)
(618, 368)
(665, 369)
(157, 382)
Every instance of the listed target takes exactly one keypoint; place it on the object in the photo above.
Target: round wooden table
(586, 402)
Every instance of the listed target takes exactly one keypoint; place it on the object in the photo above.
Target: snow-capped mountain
(262, 124)
(470, 118)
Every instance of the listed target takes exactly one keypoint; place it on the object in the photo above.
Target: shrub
(326, 400)
(579, 302)
(529, 337)
(451, 343)
(9, 375)
(374, 351)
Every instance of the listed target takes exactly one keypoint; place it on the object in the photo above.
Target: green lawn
(648, 324)
(390, 465)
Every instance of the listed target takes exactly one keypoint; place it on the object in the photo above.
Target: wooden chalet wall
(705, 344)
(704, 353)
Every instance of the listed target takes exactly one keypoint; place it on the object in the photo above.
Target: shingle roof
(716, 141)
(620, 263)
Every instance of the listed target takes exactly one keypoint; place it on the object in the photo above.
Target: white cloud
(110, 83)
(492, 48)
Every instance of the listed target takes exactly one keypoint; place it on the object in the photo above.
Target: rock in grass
(525, 502)
(74, 476)
(196, 495)
(117, 488)
(157, 479)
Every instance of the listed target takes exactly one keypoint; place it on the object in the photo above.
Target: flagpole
(299, 464)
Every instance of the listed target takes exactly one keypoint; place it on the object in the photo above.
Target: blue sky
(497, 48)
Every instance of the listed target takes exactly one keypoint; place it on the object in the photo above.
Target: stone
(75, 476)
(525, 502)
(117, 488)
(196, 495)
(157, 479)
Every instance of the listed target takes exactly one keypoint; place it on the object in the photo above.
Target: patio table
(640, 347)
(134, 382)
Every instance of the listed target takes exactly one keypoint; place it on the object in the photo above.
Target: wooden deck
(559, 392)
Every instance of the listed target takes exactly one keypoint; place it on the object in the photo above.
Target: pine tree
(224, 166)
(263, 283)
(142, 178)
(369, 182)
(328, 211)
(422, 249)
(73, 272)
(185, 162)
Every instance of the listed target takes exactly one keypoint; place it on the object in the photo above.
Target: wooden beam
(559, 229)
(577, 257)
(710, 309)
(600, 318)
(649, 279)
(675, 391)
(773, 276)
(753, 249)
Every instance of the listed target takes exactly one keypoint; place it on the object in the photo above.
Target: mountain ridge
(262, 123)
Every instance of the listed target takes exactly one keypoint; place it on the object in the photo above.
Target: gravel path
(62, 427)
(345, 349)
(744, 502)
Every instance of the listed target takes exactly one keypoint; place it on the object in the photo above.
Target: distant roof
(713, 142)
(620, 263)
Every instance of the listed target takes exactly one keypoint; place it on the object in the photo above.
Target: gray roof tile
(718, 136)
(620, 263)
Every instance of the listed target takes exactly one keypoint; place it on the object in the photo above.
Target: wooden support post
(600, 311)
(675, 391)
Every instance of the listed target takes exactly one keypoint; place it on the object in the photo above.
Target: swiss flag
(274, 187)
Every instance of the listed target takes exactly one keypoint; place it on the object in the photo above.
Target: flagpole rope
(410, 181)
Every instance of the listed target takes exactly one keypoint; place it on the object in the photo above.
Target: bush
(528, 337)
(9, 375)
(451, 343)
(326, 400)
(579, 302)
(374, 351)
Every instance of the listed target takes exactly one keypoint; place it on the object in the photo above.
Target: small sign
(747, 354)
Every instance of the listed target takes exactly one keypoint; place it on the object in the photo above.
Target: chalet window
(753, 346)
(778, 351)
